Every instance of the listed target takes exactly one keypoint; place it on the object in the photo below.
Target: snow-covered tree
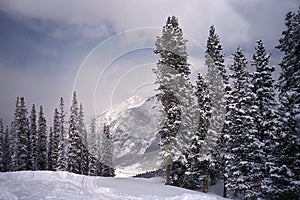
(242, 143)
(42, 163)
(2, 169)
(287, 170)
(266, 119)
(62, 158)
(75, 145)
(12, 165)
(107, 153)
(217, 81)
(33, 138)
(175, 93)
(92, 146)
(55, 141)
(7, 153)
(198, 154)
(20, 131)
(50, 149)
(84, 144)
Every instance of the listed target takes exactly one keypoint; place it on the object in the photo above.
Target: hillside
(37, 185)
(134, 124)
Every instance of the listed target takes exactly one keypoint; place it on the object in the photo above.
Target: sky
(103, 49)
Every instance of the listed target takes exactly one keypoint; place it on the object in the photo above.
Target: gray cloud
(87, 23)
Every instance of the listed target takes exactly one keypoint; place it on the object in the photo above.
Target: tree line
(231, 125)
(66, 146)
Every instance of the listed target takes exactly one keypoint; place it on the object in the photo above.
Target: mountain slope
(37, 185)
(133, 125)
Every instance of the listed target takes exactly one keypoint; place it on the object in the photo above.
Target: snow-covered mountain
(37, 185)
(133, 126)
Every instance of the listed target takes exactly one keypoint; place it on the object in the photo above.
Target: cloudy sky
(103, 49)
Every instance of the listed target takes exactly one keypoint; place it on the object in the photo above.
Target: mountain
(133, 126)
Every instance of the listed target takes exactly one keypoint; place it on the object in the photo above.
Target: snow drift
(37, 185)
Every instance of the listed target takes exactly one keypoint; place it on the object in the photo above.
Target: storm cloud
(45, 45)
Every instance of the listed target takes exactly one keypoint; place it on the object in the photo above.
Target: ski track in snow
(38, 185)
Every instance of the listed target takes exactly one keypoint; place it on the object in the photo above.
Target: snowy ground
(39, 185)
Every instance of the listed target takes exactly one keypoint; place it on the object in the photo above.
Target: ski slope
(38, 185)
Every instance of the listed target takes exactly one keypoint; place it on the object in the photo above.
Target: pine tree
(92, 148)
(33, 138)
(75, 145)
(6, 150)
(243, 152)
(287, 169)
(50, 150)
(222, 145)
(175, 94)
(217, 81)
(266, 119)
(42, 142)
(13, 148)
(2, 168)
(83, 138)
(55, 141)
(107, 153)
(20, 156)
(62, 159)
(198, 154)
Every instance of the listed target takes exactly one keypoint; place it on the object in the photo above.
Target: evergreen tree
(50, 150)
(42, 142)
(6, 150)
(55, 141)
(175, 94)
(107, 153)
(92, 148)
(62, 159)
(242, 145)
(83, 137)
(33, 138)
(75, 145)
(2, 169)
(222, 144)
(13, 148)
(287, 168)
(266, 118)
(217, 81)
(21, 128)
(197, 157)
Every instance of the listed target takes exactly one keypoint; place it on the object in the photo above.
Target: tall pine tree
(217, 81)
(242, 144)
(7, 151)
(50, 149)
(83, 139)
(42, 163)
(75, 146)
(92, 140)
(21, 132)
(287, 170)
(266, 119)
(62, 159)
(55, 141)
(174, 93)
(198, 154)
(2, 169)
(33, 138)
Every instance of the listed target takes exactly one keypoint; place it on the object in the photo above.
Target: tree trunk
(167, 175)
(205, 184)
(224, 188)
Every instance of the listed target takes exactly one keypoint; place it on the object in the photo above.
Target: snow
(28, 185)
